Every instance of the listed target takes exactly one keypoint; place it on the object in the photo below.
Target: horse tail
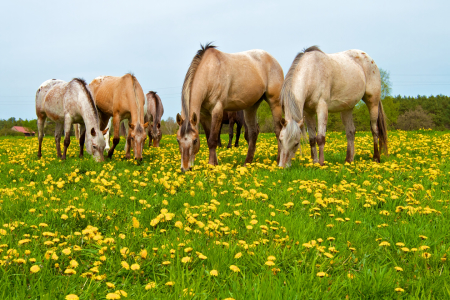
(288, 101)
(138, 107)
(189, 78)
(382, 129)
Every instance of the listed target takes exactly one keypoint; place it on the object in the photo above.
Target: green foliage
(415, 119)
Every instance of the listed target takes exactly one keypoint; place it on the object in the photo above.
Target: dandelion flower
(272, 258)
(322, 274)
(35, 269)
(125, 265)
(214, 273)
(400, 290)
(72, 297)
(70, 272)
(398, 269)
(112, 296)
(234, 269)
(186, 259)
(269, 263)
(426, 255)
(150, 285)
(238, 255)
(170, 283)
(110, 285)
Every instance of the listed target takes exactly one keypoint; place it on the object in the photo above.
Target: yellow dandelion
(112, 296)
(66, 251)
(70, 272)
(170, 283)
(272, 258)
(110, 285)
(238, 255)
(399, 290)
(235, 269)
(35, 269)
(269, 263)
(72, 297)
(426, 255)
(150, 285)
(214, 273)
(135, 267)
(321, 274)
(186, 259)
(398, 269)
(384, 243)
(125, 265)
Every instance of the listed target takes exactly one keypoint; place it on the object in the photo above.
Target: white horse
(66, 103)
(318, 83)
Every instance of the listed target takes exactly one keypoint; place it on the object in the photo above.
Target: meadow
(77, 229)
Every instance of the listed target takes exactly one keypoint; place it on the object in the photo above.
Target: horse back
(53, 104)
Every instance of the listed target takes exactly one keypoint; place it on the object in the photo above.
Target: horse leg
(125, 126)
(219, 141)
(322, 119)
(277, 112)
(82, 139)
(58, 132)
(40, 123)
(216, 123)
(311, 125)
(238, 134)
(128, 143)
(230, 132)
(67, 126)
(347, 119)
(373, 111)
(252, 127)
(116, 139)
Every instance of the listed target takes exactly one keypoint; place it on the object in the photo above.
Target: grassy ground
(77, 228)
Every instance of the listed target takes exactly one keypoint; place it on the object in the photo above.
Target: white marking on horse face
(189, 146)
(288, 147)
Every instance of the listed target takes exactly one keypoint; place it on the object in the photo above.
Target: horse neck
(89, 116)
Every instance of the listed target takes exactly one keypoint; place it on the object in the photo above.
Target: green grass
(360, 205)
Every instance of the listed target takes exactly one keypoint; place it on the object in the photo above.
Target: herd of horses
(222, 88)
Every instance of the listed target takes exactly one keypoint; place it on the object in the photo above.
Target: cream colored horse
(67, 103)
(318, 83)
(218, 81)
(121, 98)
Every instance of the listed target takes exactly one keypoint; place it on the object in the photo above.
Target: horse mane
(83, 83)
(187, 84)
(287, 96)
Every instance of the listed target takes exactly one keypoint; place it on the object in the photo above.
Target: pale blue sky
(156, 40)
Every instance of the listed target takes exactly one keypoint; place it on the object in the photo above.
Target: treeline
(406, 113)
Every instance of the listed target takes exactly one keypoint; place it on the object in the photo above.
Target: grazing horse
(121, 98)
(318, 83)
(66, 103)
(218, 81)
(230, 118)
(155, 110)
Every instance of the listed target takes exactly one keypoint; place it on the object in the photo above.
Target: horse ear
(131, 126)
(300, 123)
(179, 119)
(194, 119)
(93, 133)
(283, 122)
(145, 125)
(105, 131)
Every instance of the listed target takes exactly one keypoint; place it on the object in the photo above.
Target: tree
(386, 85)
(415, 119)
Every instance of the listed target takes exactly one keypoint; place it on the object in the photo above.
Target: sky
(156, 40)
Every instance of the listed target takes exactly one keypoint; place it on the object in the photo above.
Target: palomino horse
(155, 110)
(121, 98)
(66, 103)
(318, 83)
(230, 118)
(218, 81)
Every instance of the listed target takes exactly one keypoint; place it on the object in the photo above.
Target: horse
(218, 81)
(230, 118)
(121, 98)
(66, 103)
(318, 83)
(155, 110)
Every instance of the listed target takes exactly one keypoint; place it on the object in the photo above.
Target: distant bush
(415, 119)
(9, 132)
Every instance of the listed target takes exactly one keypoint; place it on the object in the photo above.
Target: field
(77, 229)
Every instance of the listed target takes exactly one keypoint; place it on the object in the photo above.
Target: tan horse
(318, 83)
(218, 81)
(155, 110)
(121, 98)
(67, 103)
(231, 118)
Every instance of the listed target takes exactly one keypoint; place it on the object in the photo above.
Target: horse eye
(195, 141)
(296, 144)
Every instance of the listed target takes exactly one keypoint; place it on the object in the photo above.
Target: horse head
(290, 136)
(137, 139)
(95, 144)
(188, 141)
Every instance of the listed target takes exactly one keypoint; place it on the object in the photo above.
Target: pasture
(78, 229)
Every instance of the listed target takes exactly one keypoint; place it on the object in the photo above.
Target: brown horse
(218, 81)
(121, 98)
(231, 118)
(318, 83)
(155, 110)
